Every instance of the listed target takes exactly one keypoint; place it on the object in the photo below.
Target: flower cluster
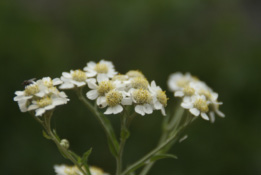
(41, 96)
(114, 91)
(197, 97)
(74, 170)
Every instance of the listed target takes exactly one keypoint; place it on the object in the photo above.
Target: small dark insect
(28, 82)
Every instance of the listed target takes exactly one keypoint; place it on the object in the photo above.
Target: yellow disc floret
(161, 96)
(113, 98)
(134, 73)
(120, 78)
(79, 75)
(105, 87)
(183, 82)
(31, 89)
(141, 96)
(201, 105)
(48, 82)
(206, 93)
(139, 83)
(101, 68)
(188, 91)
(44, 102)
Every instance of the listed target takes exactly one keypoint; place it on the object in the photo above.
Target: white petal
(33, 107)
(163, 111)
(18, 93)
(49, 107)
(92, 94)
(109, 110)
(39, 112)
(220, 114)
(40, 94)
(148, 108)
(139, 110)
(92, 83)
(195, 111)
(117, 109)
(59, 101)
(79, 83)
(158, 105)
(204, 116)
(187, 105)
(22, 105)
(179, 94)
(67, 75)
(102, 77)
(67, 86)
(90, 73)
(101, 101)
(57, 81)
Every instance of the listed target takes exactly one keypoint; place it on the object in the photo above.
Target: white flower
(99, 91)
(143, 99)
(115, 99)
(36, 89)
(48, 102)
(197, 105)
(76, 78)
(177, 81)
(74, 170)
(103, 70)
(159, 97)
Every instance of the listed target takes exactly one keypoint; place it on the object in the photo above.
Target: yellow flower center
(206, 93)
(183, 82)
(44, 102)
(31, 89)
(139, 83)
(201, 105)
(79, 75)
(120, 78)
(113, 98)
(101, 68)
(48, 82)
(105, 87)
(135, 73)
(161, 96)
(188, 91)
(141, 96)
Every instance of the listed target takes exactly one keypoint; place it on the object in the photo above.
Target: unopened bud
(65, 143)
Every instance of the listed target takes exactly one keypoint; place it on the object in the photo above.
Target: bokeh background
(217, 40)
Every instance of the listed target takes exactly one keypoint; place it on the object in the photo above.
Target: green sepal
(163, 156)
(86, 155)
(46, 135)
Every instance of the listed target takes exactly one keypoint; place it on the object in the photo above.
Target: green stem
(102, 119)
(47, 126)
(124, 136)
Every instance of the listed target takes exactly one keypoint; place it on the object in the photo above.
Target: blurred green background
(217, 40)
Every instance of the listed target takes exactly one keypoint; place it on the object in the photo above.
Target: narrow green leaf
(86, 156)
(46, 135)
(162, 156)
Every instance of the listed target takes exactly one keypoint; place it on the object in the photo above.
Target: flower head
(74, 170)
(101, 70)
(76, 78)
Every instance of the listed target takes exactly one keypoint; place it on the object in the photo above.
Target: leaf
(46, 135)
(163, 156)
(86, 156)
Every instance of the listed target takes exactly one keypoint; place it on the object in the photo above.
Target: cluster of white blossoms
(197, 97)
(114, 91)
(74, 170)
(107, 87)
(41, 96)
